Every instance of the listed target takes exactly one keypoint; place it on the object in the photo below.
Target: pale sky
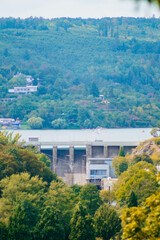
(76, 8)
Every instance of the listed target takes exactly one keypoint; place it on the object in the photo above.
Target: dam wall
(80, 156)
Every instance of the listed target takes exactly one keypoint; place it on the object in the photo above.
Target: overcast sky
(76, 8)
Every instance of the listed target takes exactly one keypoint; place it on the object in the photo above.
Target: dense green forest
(37, 205)
(73, 61)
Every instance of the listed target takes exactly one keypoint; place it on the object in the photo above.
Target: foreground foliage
(137, 192)
(36, 205)
(14, 158)
(140, 178)
(143, 222)
(107, 222)
(34, 209)
(81, 224)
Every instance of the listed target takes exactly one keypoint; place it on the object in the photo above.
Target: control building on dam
(80, 156)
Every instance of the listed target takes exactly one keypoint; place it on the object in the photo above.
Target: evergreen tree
(3, 231)
(121, 152)
(132, 201)
(107, 222)
(90, 198)
(94, 90)
(81, 224)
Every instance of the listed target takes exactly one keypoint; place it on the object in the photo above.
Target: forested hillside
(73, 61)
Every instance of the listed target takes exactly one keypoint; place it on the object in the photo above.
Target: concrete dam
(80, 156)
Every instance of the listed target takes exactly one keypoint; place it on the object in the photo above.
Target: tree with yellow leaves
(142, 222)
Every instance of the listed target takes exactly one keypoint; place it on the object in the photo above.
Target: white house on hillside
(23, 90)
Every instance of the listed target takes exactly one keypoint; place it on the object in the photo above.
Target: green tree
(8, 166)
(81, 224)
(59, 123)
(50, 225)
(16, 190)
(16, 159)
(7, 138)
(123, 166)
(120, 164)
(60, 196)
(141, 157)
(140, 178)
(3, 139)
(121, 152)
(132, 200)
(42, 90)
(107, 222)
(35, 122)
(94, 90)
(3, 231)
(90, 198)
(76, 189)
(83, 115)
(42, 157)
(22, 221)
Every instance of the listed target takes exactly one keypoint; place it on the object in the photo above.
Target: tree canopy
(143, 222)
(140, 178)
(14, 158)
(107, 222)
(114, 58)
(81, 224)
(37, 205)
(89, 196)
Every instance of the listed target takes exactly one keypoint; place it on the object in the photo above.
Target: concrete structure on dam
(80, 156)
